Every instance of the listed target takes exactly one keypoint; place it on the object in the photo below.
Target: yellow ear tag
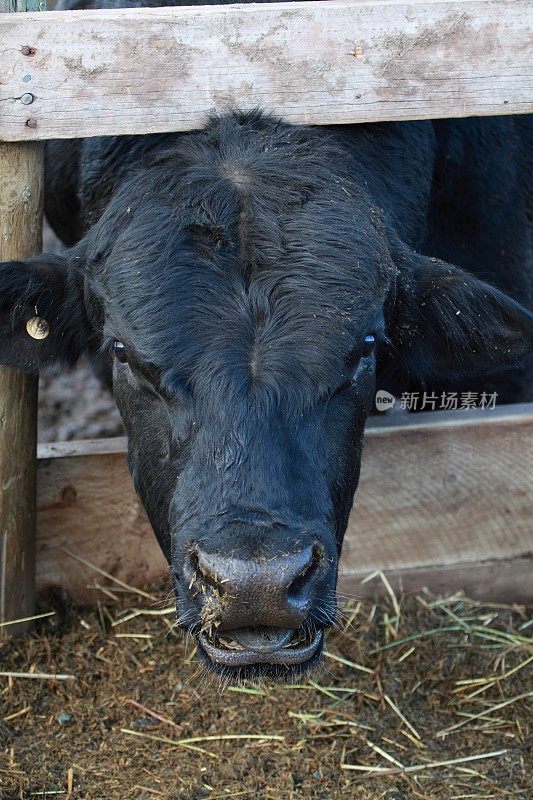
(38, 328)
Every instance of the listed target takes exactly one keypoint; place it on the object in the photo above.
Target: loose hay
(418, 698)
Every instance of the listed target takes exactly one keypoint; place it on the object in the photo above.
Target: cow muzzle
(268, 608)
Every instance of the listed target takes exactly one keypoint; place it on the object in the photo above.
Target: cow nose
(275, 591)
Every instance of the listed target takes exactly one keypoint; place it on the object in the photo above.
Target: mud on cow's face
(241, 284)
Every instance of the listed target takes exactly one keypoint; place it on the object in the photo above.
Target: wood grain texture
(150, 70)
(443, 500)
(443, 495)
(87, 505)
(21, 209)
(502, 580)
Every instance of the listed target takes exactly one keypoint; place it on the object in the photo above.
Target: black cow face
(242, 308)
(244, 369)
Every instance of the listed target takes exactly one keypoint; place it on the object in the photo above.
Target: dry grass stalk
(70, 781)
(151, 713)
(421, 767)
(492, 679)
(385, 755)
(390, 591)
(38, 676)
(27, 619)
(482, 714)
(191, 742)
(399, 714)
(110, 577)
(16, 714)
(348, 663)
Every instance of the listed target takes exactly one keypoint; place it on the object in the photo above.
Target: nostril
(204, 576)
(298, 593)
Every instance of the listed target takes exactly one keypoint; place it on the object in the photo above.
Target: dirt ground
(406, 686)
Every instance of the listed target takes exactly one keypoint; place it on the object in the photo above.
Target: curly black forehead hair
(241, 256)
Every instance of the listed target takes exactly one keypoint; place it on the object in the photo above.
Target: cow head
(242, 284)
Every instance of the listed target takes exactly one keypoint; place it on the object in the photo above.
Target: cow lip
(285, 656)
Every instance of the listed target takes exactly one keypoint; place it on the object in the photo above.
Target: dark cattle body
(251, 283)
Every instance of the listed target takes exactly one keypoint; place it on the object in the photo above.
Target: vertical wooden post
(21, 208)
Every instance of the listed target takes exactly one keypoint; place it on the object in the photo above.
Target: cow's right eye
(119, 351)
(369, 345)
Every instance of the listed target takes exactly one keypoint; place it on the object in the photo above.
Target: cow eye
(119, 351)
(369, 345)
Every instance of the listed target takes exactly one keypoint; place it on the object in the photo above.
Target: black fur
(242, 267)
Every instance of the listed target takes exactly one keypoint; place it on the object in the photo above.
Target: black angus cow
(244, 278)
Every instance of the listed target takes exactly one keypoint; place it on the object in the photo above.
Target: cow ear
(42, 315)
(445, 322)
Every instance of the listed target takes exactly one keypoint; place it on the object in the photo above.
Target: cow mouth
(246, 646)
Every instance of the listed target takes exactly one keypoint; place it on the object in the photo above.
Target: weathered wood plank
(503, 580)
(21, 209)
(443, 495)
(440, 495)
(69, 74)
(87, 505)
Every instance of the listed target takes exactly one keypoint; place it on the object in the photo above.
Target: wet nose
(275, 591)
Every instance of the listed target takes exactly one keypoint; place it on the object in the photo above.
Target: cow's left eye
(370, 345)
(119, 351)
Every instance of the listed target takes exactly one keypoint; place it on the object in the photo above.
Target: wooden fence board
(88, 73)
(503, 580)
(445, 500)
(21, 210)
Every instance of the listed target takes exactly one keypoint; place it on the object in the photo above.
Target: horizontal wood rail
(134, 71)
(445, 501)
